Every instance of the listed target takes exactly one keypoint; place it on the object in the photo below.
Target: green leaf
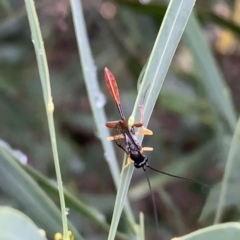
(14, 225)
(209, 73)
(72, 202)
(222, 231)
(165, 45)
(232, 196)
(229, 191)
(157, 11)
(19, 185)
(96, 97)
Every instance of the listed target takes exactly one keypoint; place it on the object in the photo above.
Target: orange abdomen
(112, 85)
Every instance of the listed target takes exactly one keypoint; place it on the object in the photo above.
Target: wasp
(132, 146)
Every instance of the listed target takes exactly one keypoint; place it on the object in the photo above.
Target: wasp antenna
(144, 96)
(153, 201)
(175, 176)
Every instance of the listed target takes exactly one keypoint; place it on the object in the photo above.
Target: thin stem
(58, 173)
(45, 81)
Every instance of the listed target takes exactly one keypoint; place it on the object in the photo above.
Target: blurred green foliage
(186, 136)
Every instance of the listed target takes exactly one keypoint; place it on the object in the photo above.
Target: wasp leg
(147, 149)
(145, 131)
(140, 124)
(129, 161)
(115, 137)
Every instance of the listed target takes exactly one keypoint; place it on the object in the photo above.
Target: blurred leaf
(97, 99)
(14, 225)
(155, 10)
(209, 73)
(6, 6)
(126, 46)
(218, 93)
(177, 217)
(158, 11)
(17, 16)
(72, 202)
(19, 185)
(232, 199)
(222, 231)
(178, 102)
(228, 194)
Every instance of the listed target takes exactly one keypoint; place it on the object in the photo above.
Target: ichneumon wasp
(132, 146)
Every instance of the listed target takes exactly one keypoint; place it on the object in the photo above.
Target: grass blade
(19, 185)
(46, 87)
(157, 11)
(165, 45)
(141, 225)
(219, 95)
(72, 202)
(231, 174)
(96, 98)
(221, 232)
(211, 77)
